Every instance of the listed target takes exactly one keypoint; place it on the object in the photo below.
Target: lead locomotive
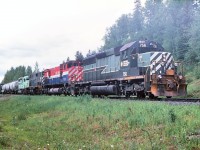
(138, 68)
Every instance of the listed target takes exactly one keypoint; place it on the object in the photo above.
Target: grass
(193, 88)
(35, 122)
(193, 80)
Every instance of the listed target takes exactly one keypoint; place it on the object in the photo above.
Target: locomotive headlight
(163, 57)
(159, 77)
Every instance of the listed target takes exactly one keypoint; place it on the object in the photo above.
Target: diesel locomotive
(140, 68)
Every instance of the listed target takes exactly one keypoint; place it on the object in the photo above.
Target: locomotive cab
(164, 77)
(23, 84)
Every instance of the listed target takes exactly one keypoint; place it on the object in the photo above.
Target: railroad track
(123, 98)
(170, 100)
(182, 99)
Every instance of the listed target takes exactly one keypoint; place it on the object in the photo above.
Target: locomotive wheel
(141, 95)
(168, 96)
(151, 96)
(128, 95)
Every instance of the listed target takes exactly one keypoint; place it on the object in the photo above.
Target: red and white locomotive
(61, 79)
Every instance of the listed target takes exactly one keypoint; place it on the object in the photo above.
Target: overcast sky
(49, 31)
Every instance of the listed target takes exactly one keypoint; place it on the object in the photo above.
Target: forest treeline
(175, 24)
(15, 73)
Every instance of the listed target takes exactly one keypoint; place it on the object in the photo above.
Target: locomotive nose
(171, 84)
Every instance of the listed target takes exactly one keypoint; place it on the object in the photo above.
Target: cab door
(134, 60)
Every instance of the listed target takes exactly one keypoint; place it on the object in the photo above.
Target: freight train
(140, 68)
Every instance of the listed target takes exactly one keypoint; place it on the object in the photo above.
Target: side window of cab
(124, 54)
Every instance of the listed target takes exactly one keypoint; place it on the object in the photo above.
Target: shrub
(197, 72)
(172, 116)
(4, 141)
(22, 116)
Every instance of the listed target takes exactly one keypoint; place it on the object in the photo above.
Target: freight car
(10, 88)
(138, 68)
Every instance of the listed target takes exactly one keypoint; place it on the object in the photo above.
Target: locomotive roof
(126, 46)
(116, 51)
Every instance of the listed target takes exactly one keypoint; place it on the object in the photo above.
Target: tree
(193, 55)
(88, 53)
(185, 20)
(36, 68)
(127, 28)
(28, 70)
(118, 34)
(79, 56)
(14, 74)
(136, 24)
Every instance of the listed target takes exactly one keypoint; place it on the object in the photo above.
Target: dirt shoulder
(5, 97)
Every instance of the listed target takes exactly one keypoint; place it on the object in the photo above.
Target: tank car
(62, 79)
(10, 88)
(138, 68)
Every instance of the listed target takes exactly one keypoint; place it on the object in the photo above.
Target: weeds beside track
(53, 122)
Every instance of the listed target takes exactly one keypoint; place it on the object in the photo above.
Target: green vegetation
(172, 23)
(193, 80)
(32, 122)
(193, 88)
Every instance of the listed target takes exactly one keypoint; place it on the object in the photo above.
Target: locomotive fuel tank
(104, 90)
(56, 91)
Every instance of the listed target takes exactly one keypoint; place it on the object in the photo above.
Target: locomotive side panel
(118, 62)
